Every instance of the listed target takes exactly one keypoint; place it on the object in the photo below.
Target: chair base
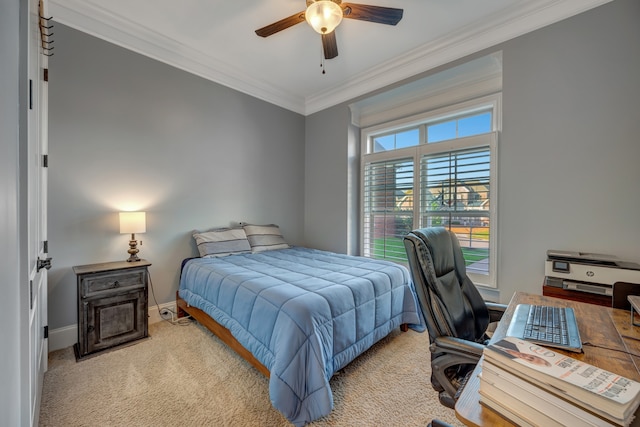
(446, 400)
(444, 397)
(438, 423)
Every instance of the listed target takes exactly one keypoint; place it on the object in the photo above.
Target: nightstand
(112, 305)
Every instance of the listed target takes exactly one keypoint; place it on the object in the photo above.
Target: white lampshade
(323, 16)
(133, 222)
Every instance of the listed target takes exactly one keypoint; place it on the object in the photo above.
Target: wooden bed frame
(220, 331)
(224, 334)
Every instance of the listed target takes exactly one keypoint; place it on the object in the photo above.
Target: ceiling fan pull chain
(322, 59)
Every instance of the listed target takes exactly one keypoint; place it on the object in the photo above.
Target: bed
(298, 315)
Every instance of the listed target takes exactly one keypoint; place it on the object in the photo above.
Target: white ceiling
(216, 40)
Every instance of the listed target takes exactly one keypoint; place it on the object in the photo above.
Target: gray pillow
(222, 242)
(264, 237)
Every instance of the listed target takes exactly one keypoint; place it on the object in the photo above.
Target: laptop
(546, 325)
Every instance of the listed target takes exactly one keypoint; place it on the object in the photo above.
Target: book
(516, 411)
(506, 412)
(520, 391)
(593, 389)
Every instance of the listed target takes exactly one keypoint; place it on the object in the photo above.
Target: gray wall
(570, 144)
(327, 189)
(129, 133)
(568, 153)
(127, 130)
(11, 67)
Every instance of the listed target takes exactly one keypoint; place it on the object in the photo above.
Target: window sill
(489, 294)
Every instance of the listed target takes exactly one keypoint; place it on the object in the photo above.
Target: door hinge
(30, 294)
(45, 160)
(46, 332)
(46, 75)
(43, 263)
(45, 246)
(30, 94)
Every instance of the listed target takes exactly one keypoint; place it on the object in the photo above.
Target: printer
(588, 272)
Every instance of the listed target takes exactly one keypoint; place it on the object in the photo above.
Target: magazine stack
(532, 385)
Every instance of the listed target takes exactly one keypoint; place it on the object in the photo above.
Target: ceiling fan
(325, 15)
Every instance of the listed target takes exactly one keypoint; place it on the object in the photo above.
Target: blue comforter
(303, 313)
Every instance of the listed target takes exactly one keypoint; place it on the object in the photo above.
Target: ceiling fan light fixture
(323, 16)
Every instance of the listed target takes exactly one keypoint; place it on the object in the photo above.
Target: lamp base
(133, 251)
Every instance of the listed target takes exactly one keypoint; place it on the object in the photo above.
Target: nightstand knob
(116, 284)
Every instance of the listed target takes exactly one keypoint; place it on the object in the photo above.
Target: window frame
(421, 121)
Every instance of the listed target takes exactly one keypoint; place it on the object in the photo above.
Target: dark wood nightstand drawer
(122, 281)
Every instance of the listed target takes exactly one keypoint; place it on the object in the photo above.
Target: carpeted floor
(184, 375)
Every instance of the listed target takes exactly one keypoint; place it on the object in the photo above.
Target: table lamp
(133, 222)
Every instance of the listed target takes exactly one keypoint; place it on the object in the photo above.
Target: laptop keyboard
(547, 323)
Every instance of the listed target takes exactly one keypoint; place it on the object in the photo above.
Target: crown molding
(524, 16)
(98, 22)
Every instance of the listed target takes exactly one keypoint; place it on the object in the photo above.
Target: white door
(35, 322)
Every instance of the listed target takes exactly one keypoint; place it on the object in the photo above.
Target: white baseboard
(154, 315)
(68, 335)
(63, 337)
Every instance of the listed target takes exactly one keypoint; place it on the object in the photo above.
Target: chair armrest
(495, 310)
(453, 345)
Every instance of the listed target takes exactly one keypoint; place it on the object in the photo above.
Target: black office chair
(456, 315)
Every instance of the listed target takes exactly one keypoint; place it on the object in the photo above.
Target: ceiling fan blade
(282, 24)
(330, 45)
(378, 14)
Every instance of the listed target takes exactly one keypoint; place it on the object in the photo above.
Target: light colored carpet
(184, 375)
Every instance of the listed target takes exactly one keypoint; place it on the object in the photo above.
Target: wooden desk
(607, 336)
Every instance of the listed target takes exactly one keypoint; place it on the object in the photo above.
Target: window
(473, 124)
(393, 141)
(388, 202)
(437, 169)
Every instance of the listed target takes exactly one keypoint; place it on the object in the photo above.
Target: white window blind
(456, 194)
(387, 207)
